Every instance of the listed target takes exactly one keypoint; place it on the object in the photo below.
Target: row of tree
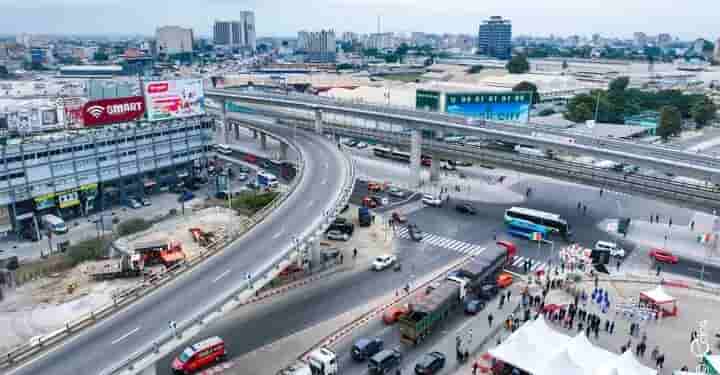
(618, 101)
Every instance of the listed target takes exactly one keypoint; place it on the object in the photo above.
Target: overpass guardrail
(153, 351)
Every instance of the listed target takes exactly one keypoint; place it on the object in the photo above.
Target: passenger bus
(223, 149)
(553, 222)
(400, 156)
(525, 229)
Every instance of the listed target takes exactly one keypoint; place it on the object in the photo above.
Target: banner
(111, 111)
(174, 99)
(491, 106)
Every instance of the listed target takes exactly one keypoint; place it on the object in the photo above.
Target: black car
(430, 363)
(415, 233)
(366, 348)
(466, 208)
(383, 362)
(329, 254)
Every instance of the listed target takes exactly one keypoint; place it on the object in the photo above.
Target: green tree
(131, 226)
(703, 112)
(528, 87)
(619, 84)
(518, 64)
(670, 122)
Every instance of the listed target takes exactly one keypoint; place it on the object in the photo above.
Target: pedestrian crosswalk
(461, 247)
(518, 262)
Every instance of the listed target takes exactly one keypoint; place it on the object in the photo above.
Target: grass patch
(249, 203)
(131, 226)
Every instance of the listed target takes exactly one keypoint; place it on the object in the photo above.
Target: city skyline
(285, 18)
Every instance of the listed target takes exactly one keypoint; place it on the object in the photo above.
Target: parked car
(448, 167)
(504, 280)
(474, 306)
(463, 163)
(369, 202)
(397, 193)
(134, 203)
(393, 313)
(366, 348)
(146, 201)
(488, 292)
(243, 176)
(663, 256)
(244, 169)
(199, 355)
(374, 186)
(351, 143)
(431, 200)
(612, 247)
(383, 261)
(337, 235)
(329, 254)
(361, 145)
(466, 208)
(430, 363)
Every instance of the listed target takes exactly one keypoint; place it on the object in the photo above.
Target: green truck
(429, 307)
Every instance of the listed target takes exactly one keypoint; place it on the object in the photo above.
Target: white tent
(519, 351)
(582, 351)
(658, 295)
(561, 364)
(627, 364)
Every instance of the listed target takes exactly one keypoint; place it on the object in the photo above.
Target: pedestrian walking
(612, 327)
(509, 293)
(601, 191)
(562, 266)
(490, 320)
(597, 333)
(670, 222)
(579, 206)
(693, 335)
(502, 301)
(657, 219)
(584, 209)
(617, 267)
(623, 349)
(655, 353)
(692, 225)
(494, 234)
(475, 368)
(657, 273)
(651, 218)
(607, 326)
(660, 361)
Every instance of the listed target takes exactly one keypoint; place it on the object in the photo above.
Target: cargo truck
(124, 266)
(364, 217)
(321, 361)
(429, 307)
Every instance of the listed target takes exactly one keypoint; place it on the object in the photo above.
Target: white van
(54, 224)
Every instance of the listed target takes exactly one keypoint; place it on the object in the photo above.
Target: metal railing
(151, 352)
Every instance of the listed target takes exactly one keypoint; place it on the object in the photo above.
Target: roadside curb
(294, 285)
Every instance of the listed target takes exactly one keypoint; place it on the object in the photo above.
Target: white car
(612, 247)
(243, 176)
(383, 261)
(432, 200)
(361, 145)
(337, 235)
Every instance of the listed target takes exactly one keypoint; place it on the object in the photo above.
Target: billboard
(111, 111)
(491, 106)
(174, 99)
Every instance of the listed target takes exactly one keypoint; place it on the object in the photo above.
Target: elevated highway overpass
(319, 109)
(101, 347)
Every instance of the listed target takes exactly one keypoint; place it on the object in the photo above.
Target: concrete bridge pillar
(415, 153)
(255, 134)
(224, 123)
(283, 151)
(150, 370)
(318, 121)
(435, 169)
(263, 141)
(237, 132)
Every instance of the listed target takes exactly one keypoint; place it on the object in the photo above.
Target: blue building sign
(491, 106)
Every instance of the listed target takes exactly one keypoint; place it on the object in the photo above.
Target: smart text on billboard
(111, 111)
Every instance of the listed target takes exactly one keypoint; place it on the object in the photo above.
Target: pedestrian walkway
(519, 261)
(461, 247)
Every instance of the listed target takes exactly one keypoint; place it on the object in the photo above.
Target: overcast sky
(688, 19)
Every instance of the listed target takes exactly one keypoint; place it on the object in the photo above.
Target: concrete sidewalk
(679, 239)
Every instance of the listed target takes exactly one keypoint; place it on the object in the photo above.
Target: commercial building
(236, 34)
(173, 40)
(77, 173)
(90, 71)
(495, 37)
(320, 46)
(716, 53)
(381, 41)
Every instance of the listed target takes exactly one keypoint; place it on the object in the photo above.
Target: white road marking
(278, 234)
(310, 203)
(123, 337)
(221, 276)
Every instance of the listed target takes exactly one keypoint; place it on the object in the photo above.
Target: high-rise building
(664, 39)
(716, 53)
(172, 40)
(640, 39)
(319, 46)
(381, 41)
(236, 34)
(495, 37)
(247, 22)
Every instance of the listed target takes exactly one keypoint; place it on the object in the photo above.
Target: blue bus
(525, 229)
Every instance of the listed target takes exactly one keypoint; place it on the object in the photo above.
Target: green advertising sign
(427, 100)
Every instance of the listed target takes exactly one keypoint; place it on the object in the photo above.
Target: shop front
(68, 204)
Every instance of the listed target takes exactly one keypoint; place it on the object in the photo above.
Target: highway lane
(255, 326)
(132, 328)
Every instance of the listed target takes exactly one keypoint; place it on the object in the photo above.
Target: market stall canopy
(658, 295)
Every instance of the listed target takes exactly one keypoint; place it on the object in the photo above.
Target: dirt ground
(42, 306)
